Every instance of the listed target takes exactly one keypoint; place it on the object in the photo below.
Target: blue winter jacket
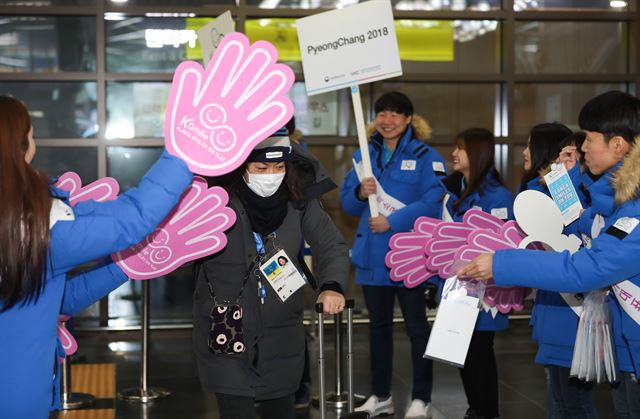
(412, 177)
(492, 197)
(28, 332)
(612, 257)
(553, 322)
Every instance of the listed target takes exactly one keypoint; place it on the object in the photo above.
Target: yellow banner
(418, 40)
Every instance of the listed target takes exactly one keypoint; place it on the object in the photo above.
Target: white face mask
(264, 185)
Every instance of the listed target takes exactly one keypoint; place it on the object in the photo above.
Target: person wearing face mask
(275, 195)
(408, 170)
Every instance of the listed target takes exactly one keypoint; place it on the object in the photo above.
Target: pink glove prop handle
(215, 117)
(104, 189)
(194, 229)
(67, 340)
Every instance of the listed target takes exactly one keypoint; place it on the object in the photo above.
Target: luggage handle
(349, 305)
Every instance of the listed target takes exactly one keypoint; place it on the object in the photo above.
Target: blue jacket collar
(603, 193)
(377, 140)
(453, 182)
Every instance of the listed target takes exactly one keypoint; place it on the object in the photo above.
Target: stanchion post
(144, 394)
(68, 399)
(337, 319)
(321, 377)
(350, 390)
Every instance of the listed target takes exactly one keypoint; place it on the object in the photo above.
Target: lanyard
(262, 288)
(259, 243)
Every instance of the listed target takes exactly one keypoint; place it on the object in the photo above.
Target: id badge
(282, 275)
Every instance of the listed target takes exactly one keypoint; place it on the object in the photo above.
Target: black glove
(431, 296)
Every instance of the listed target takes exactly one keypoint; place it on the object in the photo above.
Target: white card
(212, 33)
(282, 275)
(563, 193)
(451, 333)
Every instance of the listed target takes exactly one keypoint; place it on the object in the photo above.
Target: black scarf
(265, 214)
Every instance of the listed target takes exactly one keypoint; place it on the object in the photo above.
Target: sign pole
(362, 141)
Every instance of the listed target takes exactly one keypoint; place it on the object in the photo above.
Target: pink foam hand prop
(504, 299)
(101, 190)
(215, 117)
(104, 189)
(440, 250)
(194, 229)
(406, 259)
(67, 340)
(482, 220)
(448, 237)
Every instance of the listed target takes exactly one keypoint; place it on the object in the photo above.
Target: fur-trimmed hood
(421, 128)
(626, 180)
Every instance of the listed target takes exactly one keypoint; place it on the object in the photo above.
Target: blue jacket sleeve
(609, 261)
(100, 229)
(85, 289)
(351, 204)
(429, 204)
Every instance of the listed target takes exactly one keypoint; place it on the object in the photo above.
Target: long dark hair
(25, 204)
(479, 144)
(544, 147)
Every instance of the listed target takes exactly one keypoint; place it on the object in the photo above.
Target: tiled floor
(522, 387)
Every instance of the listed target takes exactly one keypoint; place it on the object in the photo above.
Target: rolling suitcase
(321, 365)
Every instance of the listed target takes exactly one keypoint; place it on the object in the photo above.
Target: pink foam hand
(511, 232)
(407, 260)
(441, 249)
(482, 220)
(104, 189)
(504, 299)
(67, 340)
(426, 225)
(194, 229)
(215, 117)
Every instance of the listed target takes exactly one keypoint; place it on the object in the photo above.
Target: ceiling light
(618, 4)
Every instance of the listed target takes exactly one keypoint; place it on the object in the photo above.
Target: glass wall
(96, 75)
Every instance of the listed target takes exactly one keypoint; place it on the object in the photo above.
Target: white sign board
(212, 33)
(349, 46)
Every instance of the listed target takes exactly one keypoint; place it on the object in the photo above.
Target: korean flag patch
(623, 227)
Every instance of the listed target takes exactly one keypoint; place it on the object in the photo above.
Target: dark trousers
(626, 397)
(568, 397)
(380, 302)
(240, 407)
(480, 375)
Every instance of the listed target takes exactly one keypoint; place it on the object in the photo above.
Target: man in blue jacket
(408, 171)
(610, 235)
